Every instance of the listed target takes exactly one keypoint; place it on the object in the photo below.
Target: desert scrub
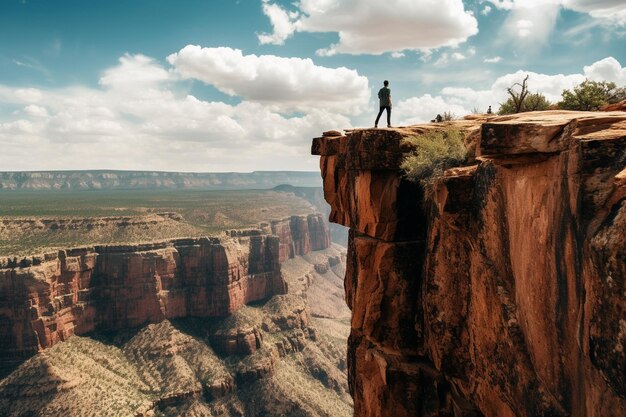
(434, 152)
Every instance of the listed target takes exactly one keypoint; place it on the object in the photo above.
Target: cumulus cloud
(140, 118)
(373, 26)
(461, 101)
(421, 109)
(608, 69)
(287, 84)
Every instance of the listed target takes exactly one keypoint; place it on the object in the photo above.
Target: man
(384, 97)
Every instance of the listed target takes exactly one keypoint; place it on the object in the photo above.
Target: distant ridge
(136, 180)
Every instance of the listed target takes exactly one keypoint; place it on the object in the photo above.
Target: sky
(243, 85)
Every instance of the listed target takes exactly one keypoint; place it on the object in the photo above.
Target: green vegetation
(587, 96)
(591, 96)
(523, 100)
(531, 102)
(435, 151)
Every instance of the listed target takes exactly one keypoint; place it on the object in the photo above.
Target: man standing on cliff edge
(384, 96)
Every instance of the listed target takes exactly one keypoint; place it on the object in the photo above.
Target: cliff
(499, 293)
(108, 288)
(299, 235)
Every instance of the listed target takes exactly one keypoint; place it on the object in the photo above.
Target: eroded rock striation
(299, 235)
(109, 288)
(501, 292)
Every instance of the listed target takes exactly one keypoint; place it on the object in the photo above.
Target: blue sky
(242, 85)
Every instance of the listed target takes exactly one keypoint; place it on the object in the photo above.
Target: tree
(536, 102)
(523, 100)
(591, 96)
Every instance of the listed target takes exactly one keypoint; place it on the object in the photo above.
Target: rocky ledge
(501, 292)
(48, 298)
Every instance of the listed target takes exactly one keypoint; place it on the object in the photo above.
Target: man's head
(386, 83)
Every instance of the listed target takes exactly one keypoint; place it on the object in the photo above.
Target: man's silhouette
(384, 97)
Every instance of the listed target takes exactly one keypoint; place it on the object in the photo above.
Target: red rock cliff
(300, 234)
(80, 290)
(503, 293)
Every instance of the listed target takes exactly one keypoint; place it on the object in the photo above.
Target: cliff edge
(502, 293)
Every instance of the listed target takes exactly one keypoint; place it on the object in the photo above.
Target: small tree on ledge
(523, 100)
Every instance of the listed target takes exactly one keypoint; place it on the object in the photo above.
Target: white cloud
(524, 27)
(282, 22)
(608, 69)
(36, 111)
(449, 57)
(610, 11)
(133, 71)
(287, 84)
(486, 10)
(135, 122)
(424, 108)
(397, 55)
(462, 100)
(374, 26)
(493, 60)
(534, 20)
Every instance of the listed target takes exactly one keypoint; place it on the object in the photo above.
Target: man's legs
(388, 116)
(378, 117)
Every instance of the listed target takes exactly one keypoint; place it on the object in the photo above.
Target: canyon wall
(76, 291)
(501, 290)
(299, 235)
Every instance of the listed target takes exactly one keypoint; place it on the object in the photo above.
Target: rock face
(110, 288)
(499, 293)
(299, 235)
(271, 358)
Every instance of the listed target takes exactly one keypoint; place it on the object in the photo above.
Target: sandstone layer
(48, 298)
(501, 291)
(269, 358)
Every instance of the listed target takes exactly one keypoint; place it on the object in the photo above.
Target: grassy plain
(32, 221)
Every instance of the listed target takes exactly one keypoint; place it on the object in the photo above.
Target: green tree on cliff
(522, 100)
(591, 96)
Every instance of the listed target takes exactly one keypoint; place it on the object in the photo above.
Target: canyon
(497, 291)
(250, 322)
(50, 297)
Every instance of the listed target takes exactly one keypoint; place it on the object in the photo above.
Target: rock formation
(501, 291)
(108, 288)
(269, 358)
(299, 235)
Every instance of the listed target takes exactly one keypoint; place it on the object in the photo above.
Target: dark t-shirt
(384, 95)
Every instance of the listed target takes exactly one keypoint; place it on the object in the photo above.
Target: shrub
(435, 151)
(523, 100)
(448, 116)
(591, 96)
